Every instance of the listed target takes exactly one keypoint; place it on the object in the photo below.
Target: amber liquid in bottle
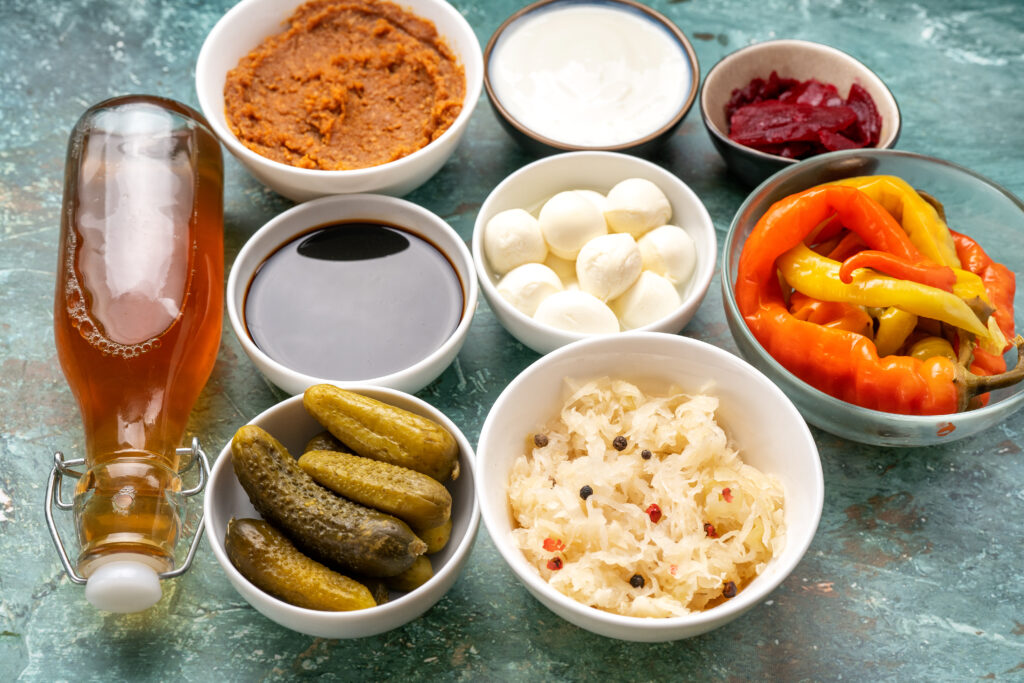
(137, 314)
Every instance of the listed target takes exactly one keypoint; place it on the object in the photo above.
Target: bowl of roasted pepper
(876, 288)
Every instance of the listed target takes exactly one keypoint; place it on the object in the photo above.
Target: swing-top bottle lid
(124, 586)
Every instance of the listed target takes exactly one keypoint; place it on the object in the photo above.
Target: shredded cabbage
(693, 475)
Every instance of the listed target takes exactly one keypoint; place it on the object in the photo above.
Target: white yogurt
(590, 75)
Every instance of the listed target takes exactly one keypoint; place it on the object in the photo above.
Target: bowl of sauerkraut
(647, 486)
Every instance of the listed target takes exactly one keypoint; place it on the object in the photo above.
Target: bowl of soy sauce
(353, 289)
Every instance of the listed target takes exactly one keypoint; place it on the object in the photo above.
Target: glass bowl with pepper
(771, 104)
(647, 486)
(866, 284)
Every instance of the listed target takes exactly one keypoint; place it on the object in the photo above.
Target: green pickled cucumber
(415, 498)
(330, 529)
(324, 441)
(412, 578)
(378, 589)
(270, 562)
(374, 429)
(436, 537)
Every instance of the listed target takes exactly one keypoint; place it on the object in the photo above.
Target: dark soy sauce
(353, 301)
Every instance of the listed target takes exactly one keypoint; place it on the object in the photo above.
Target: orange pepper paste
(350, 84)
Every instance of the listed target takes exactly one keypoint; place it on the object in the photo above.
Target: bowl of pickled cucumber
(343, 513)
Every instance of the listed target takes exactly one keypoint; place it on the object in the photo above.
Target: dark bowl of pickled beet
(772, 104)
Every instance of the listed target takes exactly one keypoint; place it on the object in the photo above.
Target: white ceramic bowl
(799, 59)
(249, 22)
(339, 208)
(529, 187)
(764, 424)
(290, 424)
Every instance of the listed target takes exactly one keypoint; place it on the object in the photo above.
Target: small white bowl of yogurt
(601, 75)
(591, 243)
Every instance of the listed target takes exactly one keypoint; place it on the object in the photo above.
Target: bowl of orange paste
(327, 97)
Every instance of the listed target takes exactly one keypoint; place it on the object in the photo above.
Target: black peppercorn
(729, 590)
(645, 454)
(586, 492)
(619, 443)
(636, 581)
(540, 440)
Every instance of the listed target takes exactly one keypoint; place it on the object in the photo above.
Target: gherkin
(374, 429)
(328, 528)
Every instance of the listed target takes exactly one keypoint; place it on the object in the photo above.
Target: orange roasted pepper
(1000, 284)
(838, 314)
(941, 277)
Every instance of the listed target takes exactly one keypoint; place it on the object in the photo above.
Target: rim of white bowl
(204, 86)
(223, 462)
(723, 136)
(458, 335)
(746, 599)
(702, 277)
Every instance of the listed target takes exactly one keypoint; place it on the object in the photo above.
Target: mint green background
(915, 572)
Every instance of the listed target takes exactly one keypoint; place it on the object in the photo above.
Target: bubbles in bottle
(89, 329)
(91, 332)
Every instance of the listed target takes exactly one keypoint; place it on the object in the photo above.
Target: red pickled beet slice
(773, 122)
(869, 121)
(759, 90)
(833, 142)
(758, 117)
(814, 93)
(741, 97)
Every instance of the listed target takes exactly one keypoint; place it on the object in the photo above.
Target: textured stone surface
(915, 572)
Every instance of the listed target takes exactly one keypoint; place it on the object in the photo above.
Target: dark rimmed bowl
(541, 145)
(800, 59)
(974, 206)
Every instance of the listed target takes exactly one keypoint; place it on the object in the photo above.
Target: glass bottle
(137, 325)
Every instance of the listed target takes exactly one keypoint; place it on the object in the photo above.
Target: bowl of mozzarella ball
(591, 243)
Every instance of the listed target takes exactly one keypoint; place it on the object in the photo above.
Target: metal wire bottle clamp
(63, 468)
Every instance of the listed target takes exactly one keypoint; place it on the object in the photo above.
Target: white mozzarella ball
(608, 265)
(526, 286)
(636, 205)
(670, 252)
(512, 238)
(650, 299)
(568, 221)
(577, 311)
